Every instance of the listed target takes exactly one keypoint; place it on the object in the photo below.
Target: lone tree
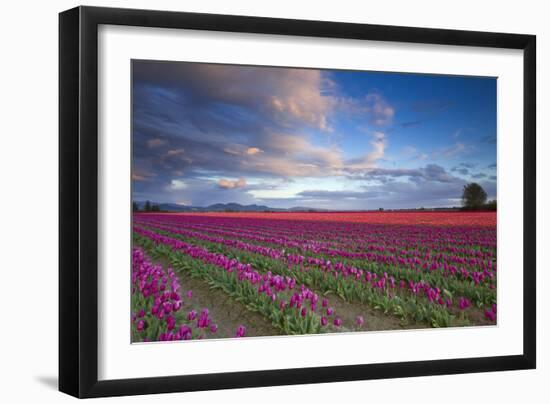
(147, 206)
(473, 196)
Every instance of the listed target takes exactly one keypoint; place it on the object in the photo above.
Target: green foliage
(473, 196)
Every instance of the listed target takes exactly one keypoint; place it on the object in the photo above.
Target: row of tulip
(467, 241)
(159, 311)
(400, 235)
(431, 284)
(417, 302)
(412, 258)
(290, 306)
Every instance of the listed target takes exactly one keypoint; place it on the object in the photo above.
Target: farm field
(246, 274)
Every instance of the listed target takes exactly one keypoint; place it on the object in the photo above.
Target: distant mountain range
(226, 207)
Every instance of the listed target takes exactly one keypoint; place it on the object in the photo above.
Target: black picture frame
(78, 200)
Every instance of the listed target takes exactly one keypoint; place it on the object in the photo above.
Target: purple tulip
(184, 330)
(359, 321)
(463, 303)
(241, 331)
(303, 312)
(490, 315)
(324, 321)
(330, 311)
(337, 321)
(140, 325)
(213, 328)
(170, 322)
(191, 315)
(324, 303)
(190, 294)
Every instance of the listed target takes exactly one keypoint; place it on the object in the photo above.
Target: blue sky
(207, 133)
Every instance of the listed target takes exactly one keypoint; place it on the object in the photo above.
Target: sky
(327, 139)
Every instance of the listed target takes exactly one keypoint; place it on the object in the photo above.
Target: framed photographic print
(251, 201)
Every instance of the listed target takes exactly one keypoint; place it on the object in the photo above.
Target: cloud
(494, 165)
(430, 172)
(479, 175)
(380, 110)
(229, 184)
(241, 150)
(141, 175)
(460, 170)
(455, 149)
(411, 152)
(288, 96)
(177, 185)
(253, 150)
(373, 106)
(155, 142)
(370, 159)
(463, 168)
(331, 195)
(175, 152)
(137, 177)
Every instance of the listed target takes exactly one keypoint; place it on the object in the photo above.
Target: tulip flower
(140, 325)
(463, 303)
(324, 321)
(490, 315)
(241, 331)
(359, 320)
(170, 322)
(337, 321)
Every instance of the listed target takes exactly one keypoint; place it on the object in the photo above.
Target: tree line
(148, 207)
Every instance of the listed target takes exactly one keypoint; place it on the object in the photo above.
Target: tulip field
(245, 274)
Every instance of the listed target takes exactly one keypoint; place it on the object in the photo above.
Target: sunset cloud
(229, 184)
